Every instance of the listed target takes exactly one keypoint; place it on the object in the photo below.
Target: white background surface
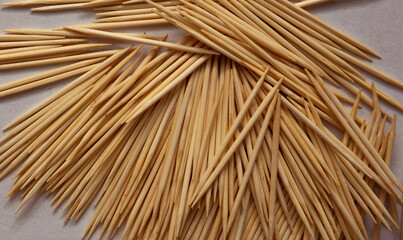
(376, 23)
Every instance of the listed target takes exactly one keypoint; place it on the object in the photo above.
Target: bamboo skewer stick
(47, 74)
(309, 3)
(35, 2)
(72, 85)
(126, 24)
(141, 108)
(13, 51)
(130, 12)
(141, 5)
(46, 81)
(187, 29)
(10, 37)
(370, 152)
(60, 7)
(41, 62)
(249, 169)
(140, 40)
(157, 72)
(329, 27)
(274, 169)
(68, 33)
(98, 87)
(46, 52)
(207, 179)
(321, 30)
(41, 43)
(388, 154)
(366, 67)
(128, 18)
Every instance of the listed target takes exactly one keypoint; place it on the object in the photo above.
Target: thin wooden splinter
(11, 37)
(47, 74)
(251, 163)
(212, 172)
(46, 52)
(117, 36)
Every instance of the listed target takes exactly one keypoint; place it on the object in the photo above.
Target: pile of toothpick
(240, 130)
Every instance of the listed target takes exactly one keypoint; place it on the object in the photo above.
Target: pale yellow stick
(47, 143)
(60, 7)
(366, 67)
(127, 24)
(120, 7)
(329, 138)
(130, 12)
(347, 122)
(125, 129)
(121, 85)
(136, 112)
(259, 35)
(32, 119)
(176, 130)
(213, 170)
(270, 44)
(135, 1)
(388, 156)
(41, 62)
(244, 55)
(36, 2)
(332, 29)
(47, 74)
(46, 81)
(44, 32)
(118, 36)
(113, 89)
(68, 33)
(46, 52)
(139, 5)
(97, 70)
(251, 163)
(86, 127)
(307, 29)
(393, 208)
(207, 18)
(309, 3)
(61, 110)
(274, 169)
(368, 150)
(203, 38)
(26, 49)
(27, 37)
(161, 71)
(162, 74)
(330, 57)
(321, 30)
(351, 88)
(41, 43)
(259, 189)
(39, 115)
(97, 3)
(128, 18)
(241, 114)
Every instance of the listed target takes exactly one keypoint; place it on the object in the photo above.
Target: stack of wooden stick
(233, 132)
